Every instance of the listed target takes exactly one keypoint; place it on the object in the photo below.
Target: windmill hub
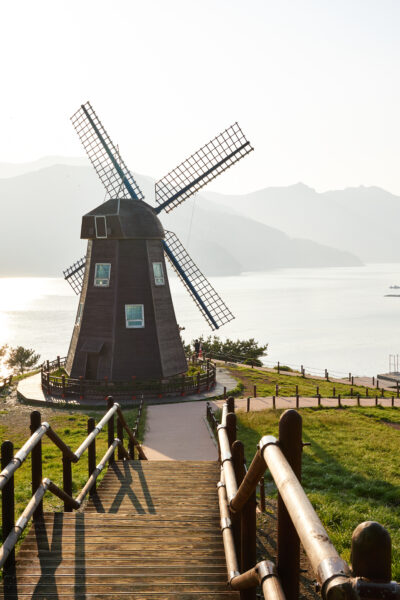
(125, 325)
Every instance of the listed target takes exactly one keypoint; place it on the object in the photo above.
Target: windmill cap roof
(123, 219)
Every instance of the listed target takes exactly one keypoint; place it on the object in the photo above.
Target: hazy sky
(313, 83)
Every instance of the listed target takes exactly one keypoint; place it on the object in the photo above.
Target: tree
(21, 358)
(3, 350)
(240, 351)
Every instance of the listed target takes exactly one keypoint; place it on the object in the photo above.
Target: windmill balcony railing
(62, 386)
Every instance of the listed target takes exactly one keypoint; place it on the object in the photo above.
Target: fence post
(358, 399)
(349, 376)
(319, 399)
(297, 401)
(317, 394)
(248, 548)
(231, 427)
(352, 380)
(8, 501)
(382, 392)
(262, 494)
(36, 458)
(110, 428)
(248, 405)
(373, 381)
(366, 392)
(120, 436)
(91, 453)
(278, 367)
(371, 552)
(334, 392)
(273, 402)
(351, 392)
(255, 391)
(277, 389)
(326, 375)
(58, 362)
(339, 401)
(63, 386)
(297, 390)
(392, 400)
(238, 465)
(376, 400)
(288, 551)
(224, 393)
(231, 404)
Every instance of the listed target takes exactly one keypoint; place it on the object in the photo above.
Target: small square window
(134, 316)
(158, 273)
(102, 273)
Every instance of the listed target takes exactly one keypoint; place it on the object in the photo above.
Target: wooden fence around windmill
(10, 463)
(62, 386)
(298, 522)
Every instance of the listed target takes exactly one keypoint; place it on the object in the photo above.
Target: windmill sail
(74, 275)
(104, 156)
(207, 299)
(204, 165)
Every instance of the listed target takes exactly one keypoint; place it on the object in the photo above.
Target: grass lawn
(72, 428)
(350, 472)
(266, 382)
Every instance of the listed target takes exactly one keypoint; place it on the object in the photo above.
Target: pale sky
(314, 84)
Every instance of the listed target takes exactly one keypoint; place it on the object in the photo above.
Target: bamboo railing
(11, 462)
(297, 522)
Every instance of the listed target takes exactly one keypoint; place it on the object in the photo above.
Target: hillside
(41, 217)
(359, 220)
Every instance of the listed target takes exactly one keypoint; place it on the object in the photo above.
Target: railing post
(63, 386)
(231, 427)
(288, 554)
(371, 552)
(238, 465)
(249, 542)
(67, 480)
(120, 436)
(110, 427)
(8, 502)
(262, 494)
(231, 404)
(36, 458)
(91, 453)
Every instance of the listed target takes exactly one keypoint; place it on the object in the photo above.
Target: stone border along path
(30, 391)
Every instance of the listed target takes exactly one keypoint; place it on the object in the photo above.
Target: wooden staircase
(151, 531)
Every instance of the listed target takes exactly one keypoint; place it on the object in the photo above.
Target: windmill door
(92, 363)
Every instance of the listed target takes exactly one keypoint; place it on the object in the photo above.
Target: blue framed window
(134, 316)
(102, 272)
(158, 273)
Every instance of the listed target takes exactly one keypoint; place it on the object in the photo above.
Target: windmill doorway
(92, 364)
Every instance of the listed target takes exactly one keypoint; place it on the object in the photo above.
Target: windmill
(125, 324)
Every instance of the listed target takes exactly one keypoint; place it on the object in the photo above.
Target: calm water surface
(336, 318)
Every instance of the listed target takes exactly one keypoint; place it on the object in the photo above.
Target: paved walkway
(178, 432)
(257, 404)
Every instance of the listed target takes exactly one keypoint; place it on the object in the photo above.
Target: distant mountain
(41, 212)
(362, 220)
(14, 169)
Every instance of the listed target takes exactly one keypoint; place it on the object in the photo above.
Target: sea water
(334, 318)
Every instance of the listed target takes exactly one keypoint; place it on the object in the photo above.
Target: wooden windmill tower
(126, 323)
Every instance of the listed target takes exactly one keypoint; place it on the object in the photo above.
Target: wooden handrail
(48, 485)
(128, 430)
(332, 572)
(22, 454)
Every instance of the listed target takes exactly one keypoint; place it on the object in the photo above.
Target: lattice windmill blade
(207, 299)
(74, 275)
(204, 165)
(104, 156)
